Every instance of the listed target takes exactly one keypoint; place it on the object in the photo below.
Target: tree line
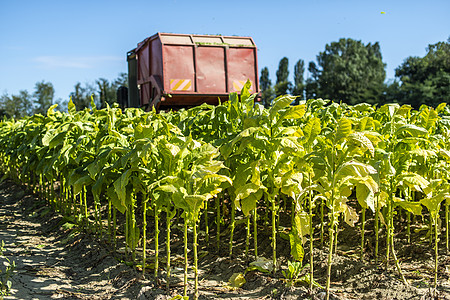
(352, 72)
(25, 103)
(347, 71)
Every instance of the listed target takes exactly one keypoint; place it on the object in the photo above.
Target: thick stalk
(255, 232)
(274, 234)
(311, 241)
(293, 203)
(391, 239)
(266, 214)
(408, 227)
(168, 220)
(322, 204)
(336, 233)
(388, 231)
(397, 264)
(377, 230)
(195, 262)
(446, 227)
(85, 207)
(133, 231)
(156, 242)
(206, 223)
(330, 251)
(127, 235)
(185, 257)
(362, 232)
(436, 240)
(431, 230)
(233, 224)
(247, 238)
(109, 220)
(115, 229)
(144, 235)
(217, 201)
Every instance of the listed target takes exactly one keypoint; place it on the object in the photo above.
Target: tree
(108, 90)
(267, 93)
(392, 93)
(351, 71)
(16, 106)
(122, 80)
(311, 84)
(81, 97)
(299, 85)
(426, 80)
(283, 86)
(43, 97)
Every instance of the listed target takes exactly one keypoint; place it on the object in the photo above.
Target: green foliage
(43, 97)
(293, 272)
(425, 80)
(283, 86)
(299, 85)
(350, 71)
(6, 272)
(235, 161)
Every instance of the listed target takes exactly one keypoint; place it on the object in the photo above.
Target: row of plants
(122, 173)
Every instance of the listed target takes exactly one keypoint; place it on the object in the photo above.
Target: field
(240, 201)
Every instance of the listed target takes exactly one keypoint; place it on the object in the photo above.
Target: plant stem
(397, 264)
(362, 232)
(85, 207)
(195, 261)
(255, 231)
(436, 240)
(109, 220)
(217, 200)
(377, 230)
(321, 223)
(206, 223)
(330, 252)
(185, 256)
(115, 229)
(311, 241)
(133, 230)
(247, 238)
(274, 234)
(144, 234)
(156, 242)
(408, 227)
(446, 227)
(233, 221)
(168, 220)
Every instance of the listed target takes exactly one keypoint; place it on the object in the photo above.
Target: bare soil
(57, 262)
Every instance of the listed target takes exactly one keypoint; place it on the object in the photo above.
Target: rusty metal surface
(193, 69)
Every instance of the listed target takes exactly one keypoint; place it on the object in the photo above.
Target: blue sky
(66, 42)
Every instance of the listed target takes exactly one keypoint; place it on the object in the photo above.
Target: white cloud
(74, 62)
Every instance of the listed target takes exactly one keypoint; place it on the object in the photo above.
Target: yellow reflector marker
(180, 84)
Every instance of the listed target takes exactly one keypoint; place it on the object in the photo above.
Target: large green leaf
(344, 128)
(433, 203)
(294, 112)
(297, 251)
(411, 131)
(360, 140)
(415, 181)
(280, 103)
(311, 130)
(80, 183)
(413, 207)
(354, 169)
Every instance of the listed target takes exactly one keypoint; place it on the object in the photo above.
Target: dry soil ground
(57, 262)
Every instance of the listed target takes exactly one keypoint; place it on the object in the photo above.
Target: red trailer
(170, 70)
